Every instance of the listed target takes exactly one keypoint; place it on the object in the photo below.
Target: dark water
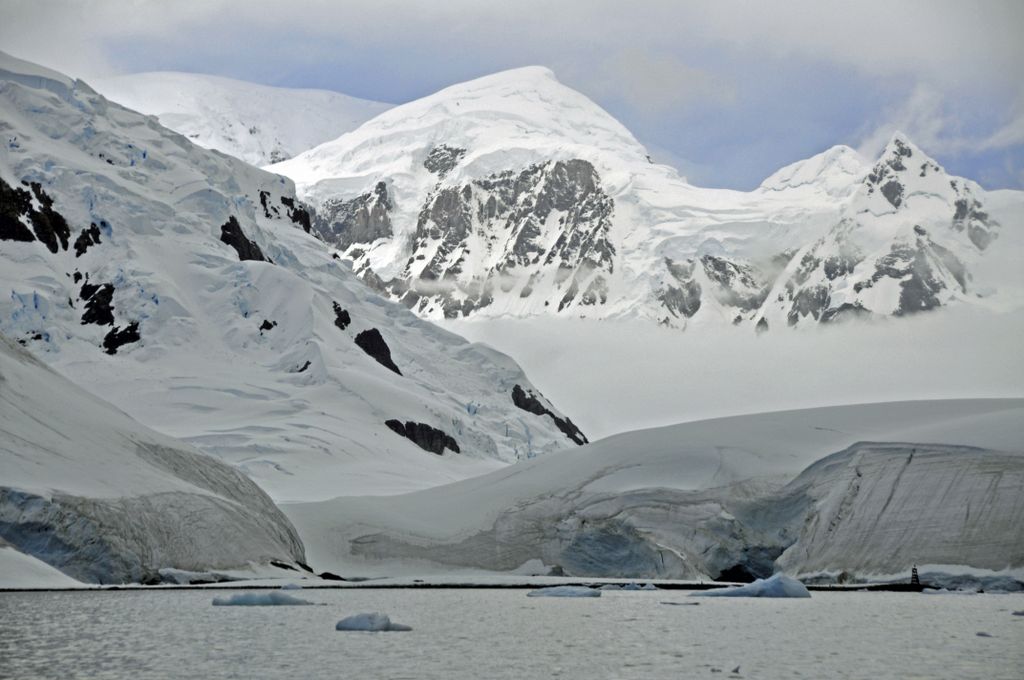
(503, 634)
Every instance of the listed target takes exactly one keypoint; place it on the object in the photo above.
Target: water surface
(495, 633)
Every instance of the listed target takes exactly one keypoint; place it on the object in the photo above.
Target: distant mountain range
(513, 195)
(257, 123)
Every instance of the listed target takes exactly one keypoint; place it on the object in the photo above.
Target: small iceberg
(778, 585)
(565, 591)
(291, 586)
(271, 599)
(373, 622)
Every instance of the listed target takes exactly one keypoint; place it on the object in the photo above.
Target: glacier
(181, 285)
(732, 498)
(258, 124)
(92, 493)
(515, 196)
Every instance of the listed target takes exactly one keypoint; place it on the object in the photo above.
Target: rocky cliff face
(907, 242)
(514, 196)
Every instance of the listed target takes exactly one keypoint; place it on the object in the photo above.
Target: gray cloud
(764, 83)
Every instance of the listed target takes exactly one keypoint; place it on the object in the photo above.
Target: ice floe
(778, 585)
(371, 622)
(273, 598)
(565, 591)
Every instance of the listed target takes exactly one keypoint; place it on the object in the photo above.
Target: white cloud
(655, 83)
(925, 117)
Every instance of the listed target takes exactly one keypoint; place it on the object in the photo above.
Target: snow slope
(617, 375)
(180, 284)
(89, 491)
(515, 196)
(24, 571)
(257, 123)
(711, 498)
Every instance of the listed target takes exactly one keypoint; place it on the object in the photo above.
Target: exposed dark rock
(838, 265)
(762, 325)
(843, 312)
(529, 402)
(302, 369)
(969, 216)
(15, 203)
(267, 325)
(684, 300)
(809, 301)
(371, 342)
(363, 219)
(912, 265)
(737, 284)
(264, 201)
(98, 304)
(341, 317)
(297, 214)
(442, 159)
(329, 576)
(49, 225)
(893, 192)
(521, 205)
(87, 237)
(885, 175)
(121, 336)
(231, 234)
(424, 436)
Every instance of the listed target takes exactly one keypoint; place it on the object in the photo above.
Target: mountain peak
(834, 172)
(899, 150)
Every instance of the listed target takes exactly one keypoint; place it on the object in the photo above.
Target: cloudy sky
(727, 91)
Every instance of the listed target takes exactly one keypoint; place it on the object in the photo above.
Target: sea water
(499, 633)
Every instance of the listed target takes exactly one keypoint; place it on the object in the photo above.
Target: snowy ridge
(515, 196)
(710, 499)
(89, 491)
(181, 284)
(257, 123)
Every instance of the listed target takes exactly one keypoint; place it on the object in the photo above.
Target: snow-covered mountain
(257, 123)
(513, 195)
(730, 498)
(87, 490)
(181, 285)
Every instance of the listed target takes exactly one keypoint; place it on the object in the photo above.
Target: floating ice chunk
(947, 591)
(611, 586)
(649, 586)
(779, 585)
(291, 586)
(273, 598)
(372, 622)
(565, 591)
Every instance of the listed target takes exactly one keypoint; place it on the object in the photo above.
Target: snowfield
(733, 497)
(180, 284)
(256, 123)
(513, 196)
(89, 491)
